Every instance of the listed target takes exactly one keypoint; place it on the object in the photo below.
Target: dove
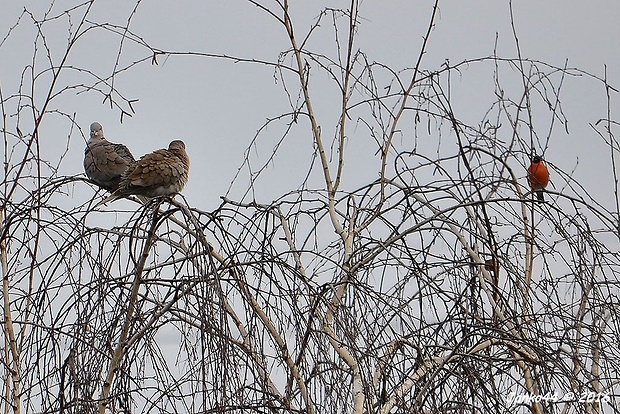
(161, 173)
(104, 161)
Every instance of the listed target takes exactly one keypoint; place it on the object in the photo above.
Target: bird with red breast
(538, 176)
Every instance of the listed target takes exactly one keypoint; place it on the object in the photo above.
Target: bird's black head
(536, 159)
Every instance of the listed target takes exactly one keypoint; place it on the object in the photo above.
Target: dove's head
(177, 145)
(96, 130)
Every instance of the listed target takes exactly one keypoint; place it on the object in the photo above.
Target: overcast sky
(217, 106)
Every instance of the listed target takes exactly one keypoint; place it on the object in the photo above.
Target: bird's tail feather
(113, 197)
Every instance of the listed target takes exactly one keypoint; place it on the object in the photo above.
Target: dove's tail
(113, 197)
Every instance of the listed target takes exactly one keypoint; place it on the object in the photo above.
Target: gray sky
(217, 106)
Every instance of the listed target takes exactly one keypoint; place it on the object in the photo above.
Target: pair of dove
(111, 166)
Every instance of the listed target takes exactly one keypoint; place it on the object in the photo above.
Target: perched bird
(538, 176)
(105, 162)
(161, 173)
(492, 266)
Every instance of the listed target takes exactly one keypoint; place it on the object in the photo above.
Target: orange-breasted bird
(538, 176)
